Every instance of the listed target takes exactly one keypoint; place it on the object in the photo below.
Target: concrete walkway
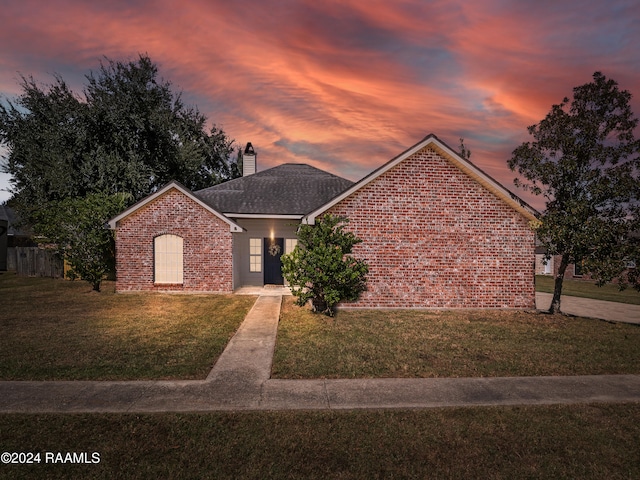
(589, 308)
(240, 381)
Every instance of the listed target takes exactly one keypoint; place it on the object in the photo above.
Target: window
(167, 250)
(546, 262)
(255, 254)
(290, 244)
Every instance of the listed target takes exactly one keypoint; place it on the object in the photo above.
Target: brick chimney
(249, 160)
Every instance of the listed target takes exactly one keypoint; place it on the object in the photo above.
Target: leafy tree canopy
(128, 132)
(585, 161)
(77, 160)
(76, 228)
(321, 268)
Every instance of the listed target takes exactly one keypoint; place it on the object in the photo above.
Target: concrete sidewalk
(240, 381)
(383, 393)
(245, 364)
(589, 308)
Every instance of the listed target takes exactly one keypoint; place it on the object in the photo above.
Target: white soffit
(263, 215)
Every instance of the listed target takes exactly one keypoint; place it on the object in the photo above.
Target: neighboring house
(20, 253)
(544, 266)
(549, 266)
(437, 232)
(574, 271)
(11, 236)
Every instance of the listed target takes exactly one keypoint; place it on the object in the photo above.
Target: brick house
(574, 271)
(437, 232)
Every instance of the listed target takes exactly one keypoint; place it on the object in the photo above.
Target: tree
(76, 226)
(128, 132)
(127, 135)
(464, 151)
(321, 268)
(44, 138)
(585, 161)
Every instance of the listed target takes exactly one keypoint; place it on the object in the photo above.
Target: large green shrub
(321, 268)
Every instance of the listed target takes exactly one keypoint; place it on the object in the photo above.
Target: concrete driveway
(587, 307)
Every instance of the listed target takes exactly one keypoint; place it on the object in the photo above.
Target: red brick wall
(434, 237)
(207, 246)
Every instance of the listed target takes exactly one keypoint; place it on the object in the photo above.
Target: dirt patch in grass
(406, 343)
(62, 330)
(577, 441)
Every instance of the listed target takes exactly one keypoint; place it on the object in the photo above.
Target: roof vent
(248, 160)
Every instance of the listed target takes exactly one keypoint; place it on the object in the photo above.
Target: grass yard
(52, 329)
(62, 330)
(576, 288)
(578, 441)
(413, 343)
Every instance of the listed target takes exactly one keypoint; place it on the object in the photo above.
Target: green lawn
(55, 329)
(62, 330)
(58, 329)
(578, 441)
(576, 288)
(414, 343)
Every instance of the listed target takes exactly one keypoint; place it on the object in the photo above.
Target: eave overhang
(432, 142)
(263, 215)
(113, 223)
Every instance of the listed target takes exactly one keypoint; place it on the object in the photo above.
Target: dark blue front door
(273, 250)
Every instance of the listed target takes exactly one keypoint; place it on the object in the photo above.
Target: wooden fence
(35, 262)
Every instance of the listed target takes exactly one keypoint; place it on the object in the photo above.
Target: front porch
(265, 290)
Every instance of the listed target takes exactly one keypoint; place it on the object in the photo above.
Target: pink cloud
(344, 85)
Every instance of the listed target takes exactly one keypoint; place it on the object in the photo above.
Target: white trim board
(233, 226)
(431, 141)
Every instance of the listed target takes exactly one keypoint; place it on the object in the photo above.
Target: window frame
(255, 255)
(290, 245)
(578, 269)
(168, 259)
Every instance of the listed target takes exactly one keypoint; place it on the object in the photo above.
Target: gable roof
(290, 189)
(434, 143)
(233, 226)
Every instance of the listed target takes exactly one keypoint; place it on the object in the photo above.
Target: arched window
(167, 250)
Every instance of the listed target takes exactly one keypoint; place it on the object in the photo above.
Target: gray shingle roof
(288, 189)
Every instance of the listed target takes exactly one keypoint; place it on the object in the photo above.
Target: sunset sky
(342, 85)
